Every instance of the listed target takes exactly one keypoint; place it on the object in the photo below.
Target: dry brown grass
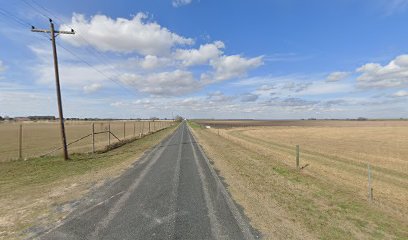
(42, 137)
(328, 199)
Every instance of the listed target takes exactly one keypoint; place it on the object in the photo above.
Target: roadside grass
(284, 203)
(194, 125)
(30, 190)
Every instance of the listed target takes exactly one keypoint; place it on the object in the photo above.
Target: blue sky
(270, 59)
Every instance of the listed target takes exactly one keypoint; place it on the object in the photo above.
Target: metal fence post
(134, 129)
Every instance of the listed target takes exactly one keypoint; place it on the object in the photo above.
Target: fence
(33, 139)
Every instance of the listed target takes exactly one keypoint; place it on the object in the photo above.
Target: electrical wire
(15, 18)
(129, 90)
(101, 57)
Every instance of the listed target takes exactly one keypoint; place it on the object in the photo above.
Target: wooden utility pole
(54, 34)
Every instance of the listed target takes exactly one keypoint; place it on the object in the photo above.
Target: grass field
(327, 199)
(42, 137)
(37, 193)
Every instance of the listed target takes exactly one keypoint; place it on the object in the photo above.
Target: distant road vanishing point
(171, 193)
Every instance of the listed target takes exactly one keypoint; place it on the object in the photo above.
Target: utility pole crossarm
(48, 31)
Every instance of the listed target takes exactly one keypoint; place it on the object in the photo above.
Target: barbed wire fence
(24, 140)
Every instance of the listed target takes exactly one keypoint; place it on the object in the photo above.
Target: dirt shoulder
(284, 203)
(44, 191)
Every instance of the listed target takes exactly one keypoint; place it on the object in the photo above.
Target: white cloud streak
(92, 87)
(179, 3)
(337, 76)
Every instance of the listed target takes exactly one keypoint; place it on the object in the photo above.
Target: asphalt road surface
(171, 193)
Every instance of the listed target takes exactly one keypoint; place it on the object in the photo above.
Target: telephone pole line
(54, 34)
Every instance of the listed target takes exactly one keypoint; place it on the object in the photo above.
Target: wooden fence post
(124, 130)
(109, 133)
(370, 188)
(149, 127)
(134, 129)
(297, 156)
(93, 137)
(20, 142)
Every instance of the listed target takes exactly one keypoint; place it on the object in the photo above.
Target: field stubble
(327, 199)
(42, 137)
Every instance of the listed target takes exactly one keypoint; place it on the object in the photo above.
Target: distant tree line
(52, 118)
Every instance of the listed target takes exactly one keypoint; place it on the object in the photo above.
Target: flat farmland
(42, 137)
(329, 197)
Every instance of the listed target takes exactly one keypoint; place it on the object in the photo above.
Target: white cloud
(150, 62)
(92, 87)
(401, 93)
(178, 3)
(227, 67)
(218, 96)
(337, 76)
(199, 56)
(123, 35)
(250, 97)
(73, 75)
(164, 83)
(394, 74)
(318, 88)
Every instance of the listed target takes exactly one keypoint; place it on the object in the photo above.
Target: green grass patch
(194, 125)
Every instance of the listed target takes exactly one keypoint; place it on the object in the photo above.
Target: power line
(96, 69)
(91, 50)
(24, 24)
(32, 6)
(18, 20)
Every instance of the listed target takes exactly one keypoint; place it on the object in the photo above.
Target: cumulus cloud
(401, 93)
(178, 3)
(202, 55)
(124, 35)
(172, 83)
(337, 76)
(394, 74)
(228, 67)
(150, 62)
(92, 87)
